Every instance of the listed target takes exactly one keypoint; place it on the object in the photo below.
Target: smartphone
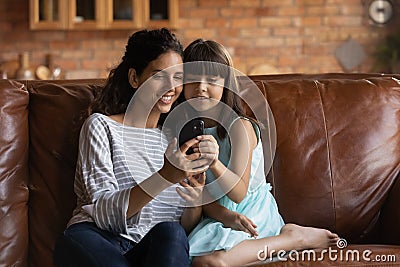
(189, 131)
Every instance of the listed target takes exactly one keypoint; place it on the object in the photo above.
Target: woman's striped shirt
(112, 159)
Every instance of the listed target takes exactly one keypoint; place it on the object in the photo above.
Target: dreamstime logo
(341, 243)
(148, 95)
(332, 254)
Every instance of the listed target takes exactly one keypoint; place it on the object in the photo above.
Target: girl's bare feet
(291, 237)
(309, 237)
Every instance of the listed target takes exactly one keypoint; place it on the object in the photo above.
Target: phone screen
(189, 131)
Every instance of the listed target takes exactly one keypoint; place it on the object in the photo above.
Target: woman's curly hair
(143, 47)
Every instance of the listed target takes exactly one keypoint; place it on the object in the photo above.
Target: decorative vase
(24, 72)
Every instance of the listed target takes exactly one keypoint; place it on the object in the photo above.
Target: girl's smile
(204, 91)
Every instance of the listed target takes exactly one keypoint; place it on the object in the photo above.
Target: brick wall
(290, 35)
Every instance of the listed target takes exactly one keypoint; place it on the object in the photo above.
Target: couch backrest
(14, 192)
(336, 163)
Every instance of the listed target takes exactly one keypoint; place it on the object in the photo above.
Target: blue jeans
(84, 244)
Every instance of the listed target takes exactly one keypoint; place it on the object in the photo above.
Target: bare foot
(309, 237)
(214, 259)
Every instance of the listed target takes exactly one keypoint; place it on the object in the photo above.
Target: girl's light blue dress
(259, 205)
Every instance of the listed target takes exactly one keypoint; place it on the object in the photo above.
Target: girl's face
(206, 90)
(163, 77)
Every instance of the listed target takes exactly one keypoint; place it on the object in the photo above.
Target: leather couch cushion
(57, 111)
(338, 152)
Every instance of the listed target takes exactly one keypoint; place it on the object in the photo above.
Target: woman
(127, 210)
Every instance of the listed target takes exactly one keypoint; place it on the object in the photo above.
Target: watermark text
(331, 253)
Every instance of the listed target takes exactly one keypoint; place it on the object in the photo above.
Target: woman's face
(203, 91)
(163, 77)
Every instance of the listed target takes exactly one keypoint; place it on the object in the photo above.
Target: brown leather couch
(336, 164)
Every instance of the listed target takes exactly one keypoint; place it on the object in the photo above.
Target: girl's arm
(190, 218)
(192, 215)
(193, 197)
(230, 218)
(227, 217)
(235, 180)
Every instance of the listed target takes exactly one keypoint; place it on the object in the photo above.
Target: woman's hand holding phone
(177, 165)
(196, 153)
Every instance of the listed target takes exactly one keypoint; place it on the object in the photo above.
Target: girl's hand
(207, 148)
(194, 188)
(239, 222)
(178, 166)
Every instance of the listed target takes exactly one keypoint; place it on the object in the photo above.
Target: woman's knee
(68, 252)
(171, 230)
(85, 245)
(166, 244)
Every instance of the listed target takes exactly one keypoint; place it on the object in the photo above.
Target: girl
(225, 236)
(124, 216)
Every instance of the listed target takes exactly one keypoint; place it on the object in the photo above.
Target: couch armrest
(14, 193)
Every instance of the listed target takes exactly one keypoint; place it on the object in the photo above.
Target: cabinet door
(102, 14)
(124, 14)
(160, 13)
(47, 14)
(86, 14)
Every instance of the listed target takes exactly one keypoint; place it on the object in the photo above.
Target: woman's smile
(167, 99)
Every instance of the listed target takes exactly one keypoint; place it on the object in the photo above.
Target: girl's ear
(133, 78)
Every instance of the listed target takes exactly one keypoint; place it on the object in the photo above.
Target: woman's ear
(133, 78)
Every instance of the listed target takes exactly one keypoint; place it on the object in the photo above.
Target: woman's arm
(98, 186)
(176, 167)
(142, 194)
(95, 183)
